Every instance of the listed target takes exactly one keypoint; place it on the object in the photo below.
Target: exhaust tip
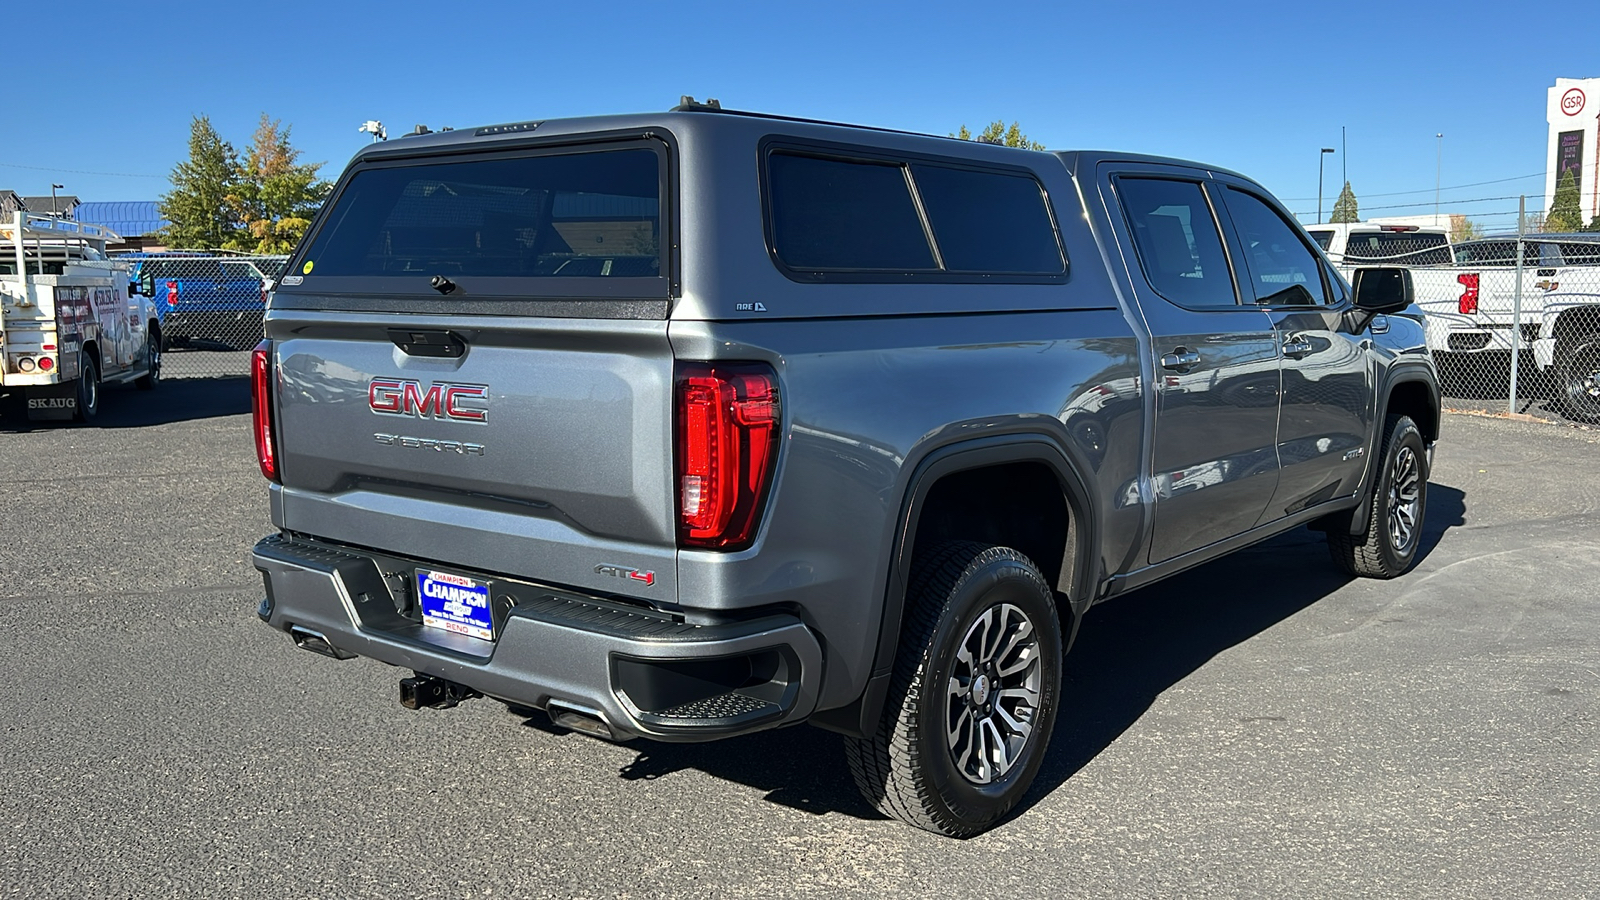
(579, 719)
(317, 642)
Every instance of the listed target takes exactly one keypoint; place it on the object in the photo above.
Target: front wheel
(152, 350)
(1398, 504)
(1578, 374)
(973, 695)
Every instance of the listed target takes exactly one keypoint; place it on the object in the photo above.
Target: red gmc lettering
(419, 404)
(455, 393)
(383, 395)
(441, 400)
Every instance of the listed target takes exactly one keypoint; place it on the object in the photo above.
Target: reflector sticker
(455, 603)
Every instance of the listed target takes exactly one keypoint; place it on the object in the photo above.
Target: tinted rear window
(989, 222)
(835, 214)
(862, 216)
(585, 215)
(1580, 253)
(1324, 239)
(1398, 247)
(1497, 253)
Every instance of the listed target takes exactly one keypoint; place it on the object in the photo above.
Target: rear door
(1215, 360)
(474, 368)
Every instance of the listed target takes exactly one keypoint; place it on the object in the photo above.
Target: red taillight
(1468, 304)
(46, 363)
(261, 407)
(172, 293)
(727, 446)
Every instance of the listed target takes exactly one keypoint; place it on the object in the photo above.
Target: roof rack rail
(711, 105)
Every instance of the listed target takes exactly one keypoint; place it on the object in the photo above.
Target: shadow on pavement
(173, 400)
(1128, 653)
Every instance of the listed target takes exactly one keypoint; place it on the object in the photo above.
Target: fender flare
(1080, 574)
(1397, 377)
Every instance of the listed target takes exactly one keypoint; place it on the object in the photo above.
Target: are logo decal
(440, 400)
(1572, 102)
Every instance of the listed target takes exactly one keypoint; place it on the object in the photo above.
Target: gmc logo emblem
(440, 400)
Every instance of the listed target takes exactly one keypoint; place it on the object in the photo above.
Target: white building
(1573, 111)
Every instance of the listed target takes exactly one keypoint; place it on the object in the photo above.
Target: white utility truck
(68, 323)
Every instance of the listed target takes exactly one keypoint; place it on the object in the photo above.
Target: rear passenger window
(1177, 241)
(1282, 268)
(831, 214)
(989, 221)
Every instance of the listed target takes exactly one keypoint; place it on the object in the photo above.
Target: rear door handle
(1296, 347)
(1180, 359)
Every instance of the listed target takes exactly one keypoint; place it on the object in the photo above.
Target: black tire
(908, 768)
(1397, 508)
(88, 391)
(1578, 376)
(152, 349)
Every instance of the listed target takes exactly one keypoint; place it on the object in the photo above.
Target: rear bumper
(646, 674)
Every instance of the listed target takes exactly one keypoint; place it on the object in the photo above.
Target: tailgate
(473, 363)
(542, 451)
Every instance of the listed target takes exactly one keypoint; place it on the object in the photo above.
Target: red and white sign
(1572, 102)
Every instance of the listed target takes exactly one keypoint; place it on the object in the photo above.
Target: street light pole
(1438, 164)
(1320, 156)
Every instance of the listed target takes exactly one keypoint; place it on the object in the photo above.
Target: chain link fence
(1510, 332)
(209, 305)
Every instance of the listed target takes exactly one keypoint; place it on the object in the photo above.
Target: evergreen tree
(1345, 208)
(997, 133)
(1564, 214)
(275, 195)
(1594, 225)
(198, 205)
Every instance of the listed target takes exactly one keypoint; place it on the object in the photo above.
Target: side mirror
(1383, 290)
(133, 289)
(147, 284)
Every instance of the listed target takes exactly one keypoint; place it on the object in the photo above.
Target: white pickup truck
(67, 321)
(1560, 319)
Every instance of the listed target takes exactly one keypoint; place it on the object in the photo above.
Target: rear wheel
(1398, 504)
(973, 696)
(1578, 374)
(88, 391)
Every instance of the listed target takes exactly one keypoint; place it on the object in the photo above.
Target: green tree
(1464, 229)
(198, 205)
(997, 133)
(1564, 214)
(275, 194)
(1594, 225)
(1345, 208)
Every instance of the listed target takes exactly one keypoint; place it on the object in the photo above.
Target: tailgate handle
(424, 342)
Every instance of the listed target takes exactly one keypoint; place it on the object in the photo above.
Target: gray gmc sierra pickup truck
(691, 424)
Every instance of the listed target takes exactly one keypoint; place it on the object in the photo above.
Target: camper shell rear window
(548, 223)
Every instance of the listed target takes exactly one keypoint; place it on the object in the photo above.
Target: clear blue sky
(1253, 86)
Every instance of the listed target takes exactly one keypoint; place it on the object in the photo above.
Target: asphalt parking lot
(1260, 727)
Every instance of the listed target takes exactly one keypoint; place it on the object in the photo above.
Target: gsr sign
(440, 400)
